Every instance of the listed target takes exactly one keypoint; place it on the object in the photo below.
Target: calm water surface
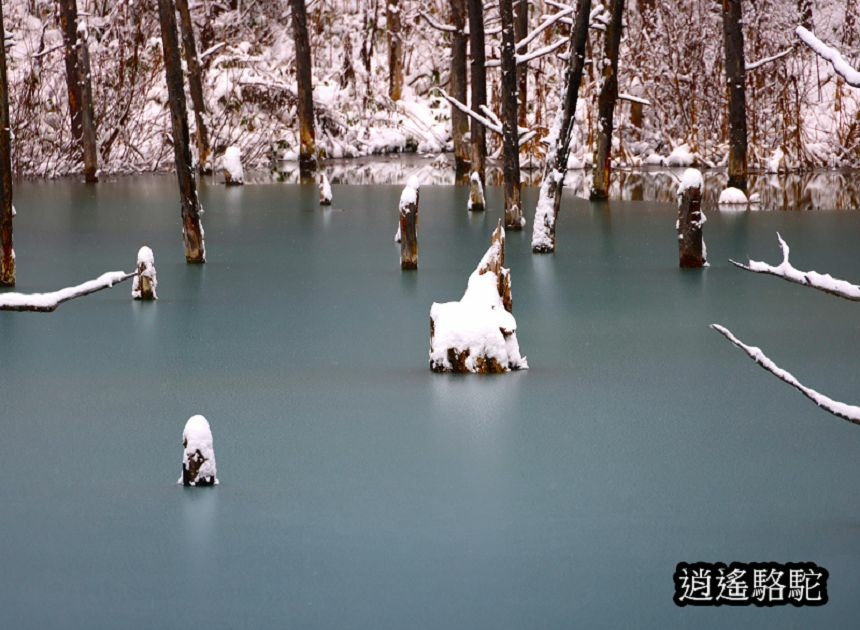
(358, 489)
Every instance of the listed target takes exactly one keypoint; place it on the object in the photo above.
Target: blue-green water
(360, 490)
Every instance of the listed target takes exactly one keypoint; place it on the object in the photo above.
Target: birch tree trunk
(7, 254)
(735, 79)
(478, 86)
(549, 201)
(307, 140)
(195, 87)
(192, 227)
(510, 130)
(606, 103)
(459, 88)
(395, 50)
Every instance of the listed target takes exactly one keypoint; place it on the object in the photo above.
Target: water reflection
(199, 515)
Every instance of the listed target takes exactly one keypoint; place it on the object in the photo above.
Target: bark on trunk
(479, 86)
(735, 77)
(395, 50)
(549, 203)
(307, 149)
(88, 123)
(69, 26)
(409, 233)
(7, 254)
(192, 228)
(195, 87)
(691, 247)
(458, 80)
(606, 103)
(510, 132)
(521, 29)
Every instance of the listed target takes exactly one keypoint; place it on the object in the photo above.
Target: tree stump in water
(409, 225)
(325, 190)
(476, 193)
(145, 282)
(198, 461)
(691, 246)
(234, 174)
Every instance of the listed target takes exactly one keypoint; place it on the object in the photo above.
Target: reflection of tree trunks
(459, 120)
(307, 142)
(510, 131)
(7, 254)
(479, 85)
(195, 86)
(521, 28)
(192, 228)
(735, 77)
(395, 50)
(606, 103)
(88, 123)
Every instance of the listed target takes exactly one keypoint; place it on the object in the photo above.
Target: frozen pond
(360, 490)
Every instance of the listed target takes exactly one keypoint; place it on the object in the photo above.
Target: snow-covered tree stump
(145, 282)
(325, 190)
(409, 225)
(691, 245)
(478, 334)
(234, 175)
(476, 193)
(198, 460)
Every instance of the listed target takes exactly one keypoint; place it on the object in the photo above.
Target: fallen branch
(840, 65)
(850, 413)
(490, 120)
(823, 282)
(634, 99)
(545, 24)
(48, 302)
(540, 52)
(758, 64)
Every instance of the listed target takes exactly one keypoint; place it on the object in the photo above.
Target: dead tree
(691, 246)
(458, 85)
(549, 201)
(478, 87)
(195, 86)
(307, 140)
(409, 226)
(7, 253)
(606, 103)
(733, 39)
(395, 50)
(510, 129)
(192, 227)
(521, 29)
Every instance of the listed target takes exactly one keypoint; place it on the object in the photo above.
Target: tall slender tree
(478, 85)
(510, 129)
(521, 29)
(7, 253)
(88, 119)
(395, 50)
(195, 86)
(549, 201)
(459, 88)
(192, 227)
(606, 102)
(307, 140)
(735, 79)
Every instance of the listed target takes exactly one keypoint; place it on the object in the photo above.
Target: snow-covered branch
(821, 281)
(540, 52)
(758, 64)
(446, 28)
(489, 120)
(48, 302)
(633, 99)
(840, 65)
(850, 413)
(545, 24)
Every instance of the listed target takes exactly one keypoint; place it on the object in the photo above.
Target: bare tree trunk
(7, 253)
(691, 246)
(606, 103)
(735, 78)
(192, 227)
(69, 25)
(395, 50)
(307, 149)
(88, 123)
(195, 86)
(479, 87)
(409, 226)
(549, 202)
(458, 80)
(510, 131)
(521, 29)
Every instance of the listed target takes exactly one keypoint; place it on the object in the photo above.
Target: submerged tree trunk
(479, 87)
(606, 103)
(409, 226)
(195, 86)
(395, 50)
(459, 80)
(735, 78)
(521, 29)
(691, 245)
(549, 201)
(307, 149)
(510, 130)
(7, 254)
(192, 227)
(88, 123)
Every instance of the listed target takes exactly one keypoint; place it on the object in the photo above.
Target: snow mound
(733, 197)
(681, 156)
(198, 462)
(692, 178)
(232, 165)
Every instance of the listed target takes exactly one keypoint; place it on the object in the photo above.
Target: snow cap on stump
(146, 281)
(232, 164)
(198, 460)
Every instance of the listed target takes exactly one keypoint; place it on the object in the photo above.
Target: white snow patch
(692, 178)
(732, 196)
(232, 163)
(681, 156)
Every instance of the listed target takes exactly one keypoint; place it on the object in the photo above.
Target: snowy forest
(380, 73)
